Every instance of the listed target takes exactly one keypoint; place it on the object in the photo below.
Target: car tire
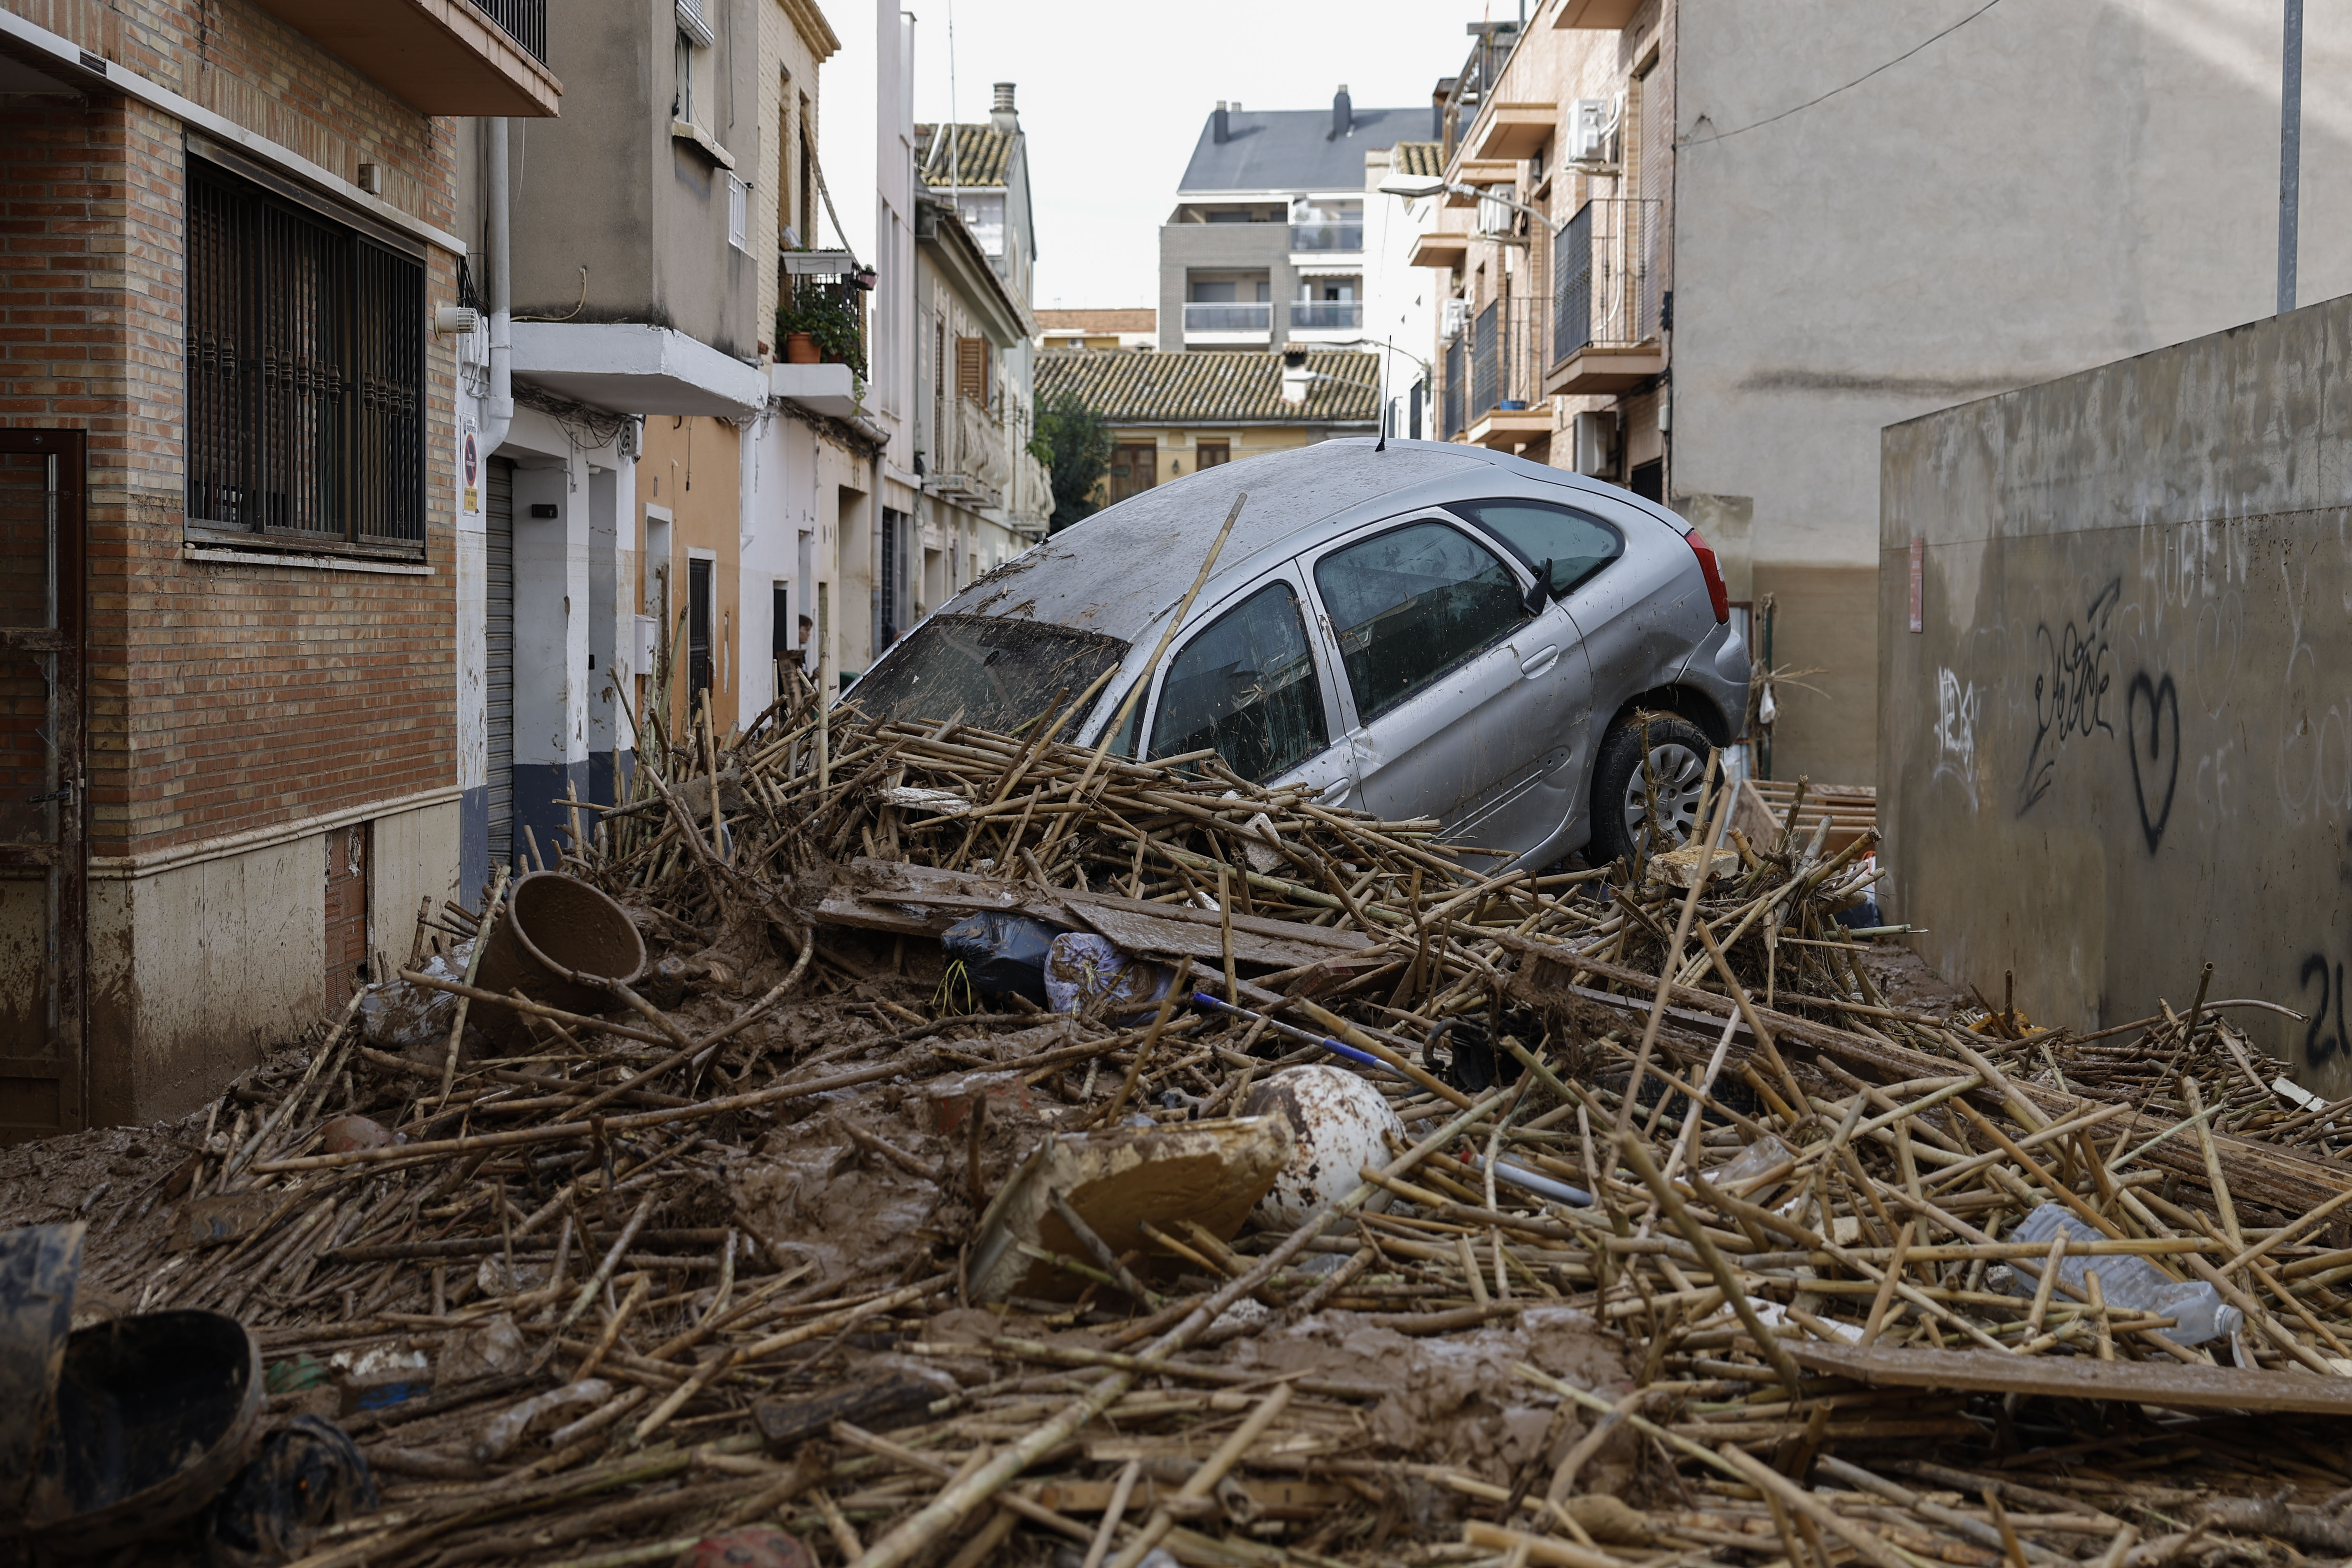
(1678, 753)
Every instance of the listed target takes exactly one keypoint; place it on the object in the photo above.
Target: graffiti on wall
(2071, 679)
(1958, 705)
(2152, 729)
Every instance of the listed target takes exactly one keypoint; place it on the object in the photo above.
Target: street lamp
(1401, 185)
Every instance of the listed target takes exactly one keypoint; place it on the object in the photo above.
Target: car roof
(1123, 569)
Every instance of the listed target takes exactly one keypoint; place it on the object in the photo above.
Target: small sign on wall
(469, 465)
(1918, 583)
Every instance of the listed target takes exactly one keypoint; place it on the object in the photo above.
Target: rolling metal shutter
(498, 672)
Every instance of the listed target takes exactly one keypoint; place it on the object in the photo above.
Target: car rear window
(998, 673)
(1577, 543)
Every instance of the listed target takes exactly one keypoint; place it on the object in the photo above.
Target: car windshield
(997, 673)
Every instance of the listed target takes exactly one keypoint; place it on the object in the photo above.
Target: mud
(1453, 1399)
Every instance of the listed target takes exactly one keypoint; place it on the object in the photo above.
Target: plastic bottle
(2132, 1283)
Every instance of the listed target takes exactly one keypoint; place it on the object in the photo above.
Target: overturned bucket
(559, 943)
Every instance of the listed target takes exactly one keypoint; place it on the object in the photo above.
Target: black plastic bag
(308, 1476)
(1005, 955)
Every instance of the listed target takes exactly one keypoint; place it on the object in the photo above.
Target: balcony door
(44, 1053)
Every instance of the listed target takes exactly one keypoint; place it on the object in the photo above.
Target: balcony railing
(1456, 357)
(1504, 358)
(1223, 318)
(1605, 277)
(1326, 237)
(1325, 315)
(524, 21)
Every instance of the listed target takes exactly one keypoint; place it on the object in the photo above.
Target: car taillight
(1716, 592)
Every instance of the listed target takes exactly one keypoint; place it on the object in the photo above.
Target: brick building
(228, 466)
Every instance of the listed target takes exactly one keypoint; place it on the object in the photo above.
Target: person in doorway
(800, 650)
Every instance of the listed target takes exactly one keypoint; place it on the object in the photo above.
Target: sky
(1113, 97)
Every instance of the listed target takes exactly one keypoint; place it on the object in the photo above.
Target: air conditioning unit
(1457, 319)
(1592, 126)
(1596, 443)
(1495, 214)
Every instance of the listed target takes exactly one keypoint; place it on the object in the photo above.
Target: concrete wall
(2054, 185)
(203, 959)
(610, 188)
(2121, 745)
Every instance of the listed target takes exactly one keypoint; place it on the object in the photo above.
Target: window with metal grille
(305, 374)
(971, 369)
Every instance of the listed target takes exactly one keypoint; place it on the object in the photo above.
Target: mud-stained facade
(2117, 717)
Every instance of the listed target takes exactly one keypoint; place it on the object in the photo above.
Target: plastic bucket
(557, 941)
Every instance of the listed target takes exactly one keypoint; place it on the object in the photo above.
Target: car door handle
(1538, 662)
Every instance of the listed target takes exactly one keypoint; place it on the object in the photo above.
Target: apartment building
(1172, 415)
(985, 497)
(1708, 255)
(227, 469)
(1266, 245)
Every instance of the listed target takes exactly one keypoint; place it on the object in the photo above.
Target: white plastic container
(1337, 1125)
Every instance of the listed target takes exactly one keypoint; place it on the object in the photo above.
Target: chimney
(1002, 116)
(1343, 115)
(1221, 129)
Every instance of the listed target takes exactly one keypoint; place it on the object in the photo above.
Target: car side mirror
(1541, 593)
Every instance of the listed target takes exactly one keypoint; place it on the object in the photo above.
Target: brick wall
(222, 698)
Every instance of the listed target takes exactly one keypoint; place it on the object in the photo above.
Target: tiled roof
(1137, 387)
(1425, 159)
(981, 154)
(1142, 318)
(1293, 150)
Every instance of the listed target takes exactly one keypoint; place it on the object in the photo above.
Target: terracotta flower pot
(799, 348)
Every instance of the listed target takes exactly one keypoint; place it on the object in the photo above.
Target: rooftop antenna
(1390, 343)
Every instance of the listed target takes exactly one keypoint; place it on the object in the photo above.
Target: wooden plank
(2175, 1385)
(1136, 932)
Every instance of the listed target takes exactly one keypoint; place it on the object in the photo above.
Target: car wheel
(1678, 753)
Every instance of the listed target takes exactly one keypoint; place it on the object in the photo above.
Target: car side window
(1410, 605)
(1578, 544)
(1246, 686)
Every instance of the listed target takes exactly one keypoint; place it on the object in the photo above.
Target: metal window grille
(1453, 375)
(305, 373)
(524, 21)
(1485, 369)
(739, 212)
(1572, 282)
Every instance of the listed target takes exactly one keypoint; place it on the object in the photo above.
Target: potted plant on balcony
(820, 324)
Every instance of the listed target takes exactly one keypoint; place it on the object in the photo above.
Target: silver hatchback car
(1428, 630)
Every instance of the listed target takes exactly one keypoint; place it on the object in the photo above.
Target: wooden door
(1133, 468)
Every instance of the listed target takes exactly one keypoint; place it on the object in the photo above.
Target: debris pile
(946, 1146)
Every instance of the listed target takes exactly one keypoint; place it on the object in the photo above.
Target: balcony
(1327, 315)
(1224, 323)
(1313, 238)
(1442, 250)
(478, 58)
(1498, 374)
(1478, 173)
(1512, 131)
(1606, 336)
(1609, 15)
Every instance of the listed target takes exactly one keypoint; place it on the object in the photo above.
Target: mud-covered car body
(1432, 630)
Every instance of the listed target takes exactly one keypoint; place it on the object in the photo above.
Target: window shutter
(971, 369)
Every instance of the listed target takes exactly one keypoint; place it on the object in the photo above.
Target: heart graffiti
(2154, 704)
